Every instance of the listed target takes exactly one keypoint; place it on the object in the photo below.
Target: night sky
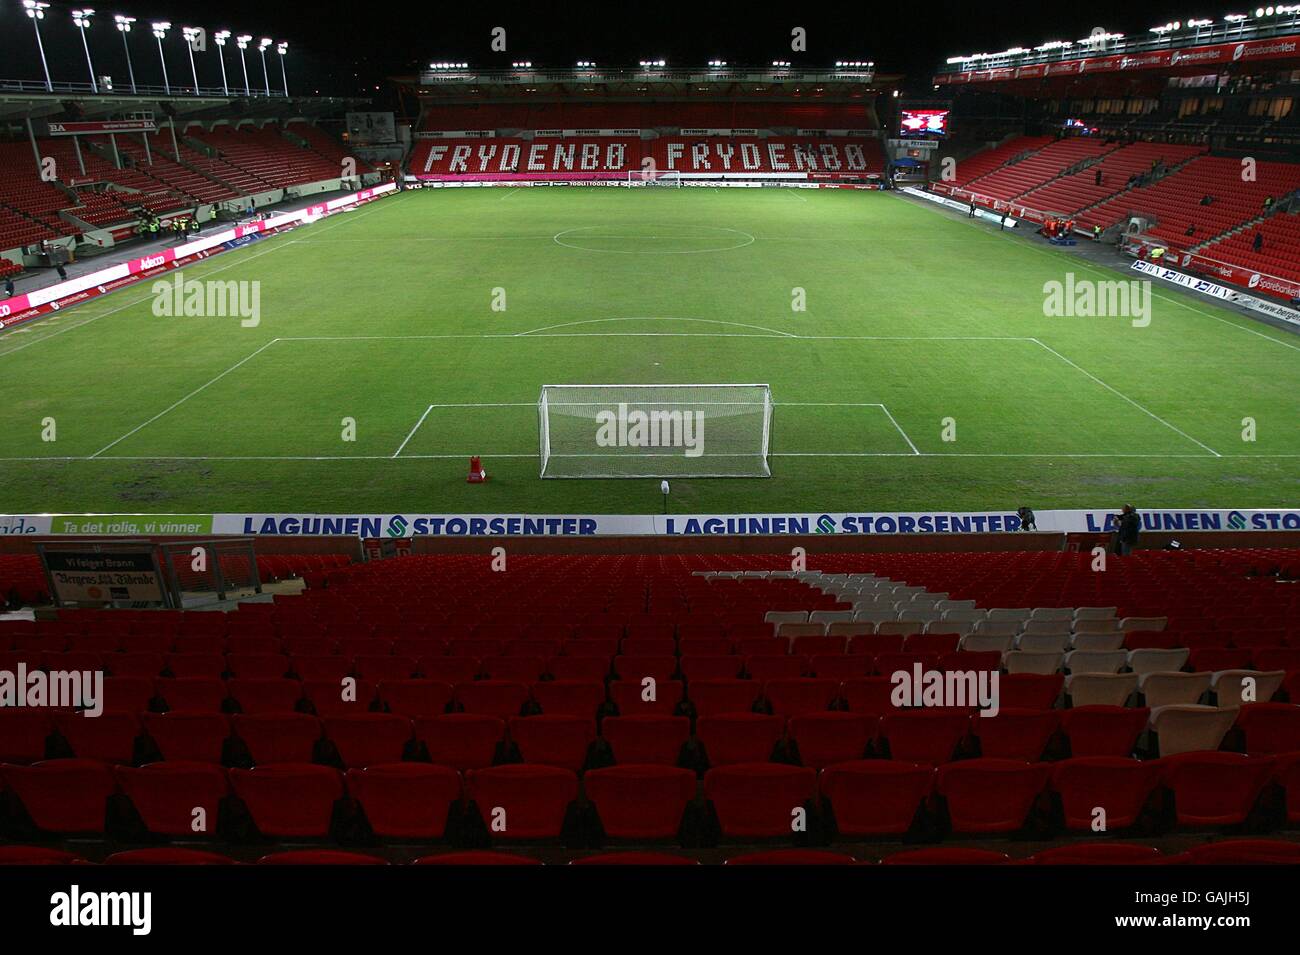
(350, 48)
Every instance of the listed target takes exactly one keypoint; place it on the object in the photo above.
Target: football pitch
(910, 360)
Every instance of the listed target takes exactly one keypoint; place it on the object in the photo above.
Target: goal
(663, 431)
(655, 177)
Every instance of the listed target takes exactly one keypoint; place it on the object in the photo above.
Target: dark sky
(349, 47)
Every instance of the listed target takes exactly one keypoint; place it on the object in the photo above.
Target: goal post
(655, 431)
(653, 176)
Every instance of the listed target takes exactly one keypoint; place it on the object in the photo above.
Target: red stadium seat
(730, 738)
(640, 801)
(189, 737)
(1116, 784)
(522, 801)
(634, 858)
(1270, 727)
(476, 858)
(289, 800)
(492, 698)
(109, 737)
(368, 739)
(636, 698)
(710, 697)
(320, 857)
(254, 697)
(872, 695)
(338, 697)
(37, 855)
(554, 740)
(192, 694)
(1015, 734)
(799, 696)
(990, 795)
(23, 734)
(924, 736)
(278, 737)
(1099, 853)
(1243, 852)
(646, 738)
(1103, 730)
(462, 741)
(1029, 691)
(759, 800)
(180, 799)
(415, 698)
(406, 800)
(564, 698)
(876, 796)
(63, 796)
(823, 739)
(1214, 789)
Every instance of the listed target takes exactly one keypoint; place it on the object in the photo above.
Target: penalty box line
(776, 404)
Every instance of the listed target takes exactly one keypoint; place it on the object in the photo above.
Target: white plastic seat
(1032, 661)
(1167, 688)
(1098, 641)
(830, 616)
(1052, 613)
(1229, 686)
(1043, 641)
(919, 616)
(1009, 614)
(1048, 626)
(1143, 623)
(1100, 689)
(1096, 661)
(998, 628)
(964, 616)
(785, 616)
(880, 615)
(1156, 661)
(1190, 727)
(1095, 613)
(1097, 625)
(957, 605)
(986, 642)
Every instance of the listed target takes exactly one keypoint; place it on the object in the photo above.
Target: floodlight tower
(241, 41)
(82, 19)
(221, 36)
(36, 13)
(192, 34)
(261, 48)
(282, 49)
(160, 33)
(124, 27)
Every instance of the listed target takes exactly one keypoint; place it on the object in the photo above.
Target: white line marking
(646, 318)
(139, 301)
(1121, 394)
(1156, 456)
(177, 404)
(900, 430)
(413, 430)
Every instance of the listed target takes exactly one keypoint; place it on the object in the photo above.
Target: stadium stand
(241, 712)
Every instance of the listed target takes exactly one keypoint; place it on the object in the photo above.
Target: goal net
(653, 176)
(664, 431)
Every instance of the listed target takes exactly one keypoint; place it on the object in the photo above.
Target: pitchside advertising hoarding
(865, 523)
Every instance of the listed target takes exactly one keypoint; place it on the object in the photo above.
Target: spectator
(1191, 230)
(1127, 526)
(9, 286)
(1268, 203)
(1098, 178)
(1259, 241)
(1206, 200)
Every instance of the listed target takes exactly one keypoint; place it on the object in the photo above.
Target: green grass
(377, 314)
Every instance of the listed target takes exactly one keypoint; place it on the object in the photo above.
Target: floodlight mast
(124, 27)
(36, 13)
(282, 48)
(159, 33)
(266, 77)
(241, 41)
(221, 36)
(191, 34)
(82, 20)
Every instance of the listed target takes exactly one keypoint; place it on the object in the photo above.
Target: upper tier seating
(736, 115)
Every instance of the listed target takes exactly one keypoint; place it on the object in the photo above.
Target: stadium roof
(655, 79)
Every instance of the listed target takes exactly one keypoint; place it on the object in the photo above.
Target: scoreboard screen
(922, 123)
